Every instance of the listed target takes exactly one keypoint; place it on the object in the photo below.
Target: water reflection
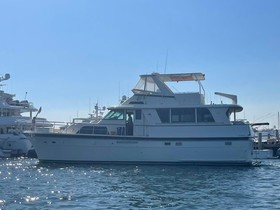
(25, 183)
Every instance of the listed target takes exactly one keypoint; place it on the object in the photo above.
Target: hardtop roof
(177, 77)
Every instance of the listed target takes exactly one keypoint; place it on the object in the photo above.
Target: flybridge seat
(155, 84)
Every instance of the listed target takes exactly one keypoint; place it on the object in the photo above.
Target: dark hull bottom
(32, 154)
(185, 163)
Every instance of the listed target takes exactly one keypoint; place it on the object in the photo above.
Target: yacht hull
(16, 143)
(74, 148)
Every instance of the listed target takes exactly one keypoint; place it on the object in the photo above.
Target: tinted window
(138, 114)
(164, 115)
(183, 115)
(100, 130)
(86, 130)
(204, 115)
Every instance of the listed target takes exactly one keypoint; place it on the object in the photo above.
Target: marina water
(28, 184)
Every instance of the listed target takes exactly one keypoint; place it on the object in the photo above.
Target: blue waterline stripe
(137, 138)
(190, 163)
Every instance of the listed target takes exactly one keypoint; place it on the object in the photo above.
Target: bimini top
(154, 84)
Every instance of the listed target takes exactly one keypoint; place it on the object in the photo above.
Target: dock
(272, 143)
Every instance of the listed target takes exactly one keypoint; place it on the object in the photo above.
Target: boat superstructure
(157, 125)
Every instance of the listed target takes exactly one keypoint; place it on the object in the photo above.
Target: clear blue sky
(66, 53)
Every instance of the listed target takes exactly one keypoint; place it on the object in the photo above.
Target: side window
(100, 130)
(175, 116)
(164, 115)
(204, 115)
(183, 115)
(138, 114)
(86, 130)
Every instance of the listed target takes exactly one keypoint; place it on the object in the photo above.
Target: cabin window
(115, 115)
(138, 114)
(183, 115)
(100, 130)
(136, 102)
(86, 130)
(164, 115)
(204, 115)
(1, 131)
(228, 113)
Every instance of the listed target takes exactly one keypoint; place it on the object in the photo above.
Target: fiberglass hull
(74, 148)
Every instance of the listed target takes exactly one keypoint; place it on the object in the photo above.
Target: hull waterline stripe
(191, 163)
(116, 137)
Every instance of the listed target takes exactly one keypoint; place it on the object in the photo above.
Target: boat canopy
(154, 84)
(179, 77)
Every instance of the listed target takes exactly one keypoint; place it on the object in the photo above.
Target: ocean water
(28, 184)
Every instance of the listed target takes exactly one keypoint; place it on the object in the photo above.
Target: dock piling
(260, 141)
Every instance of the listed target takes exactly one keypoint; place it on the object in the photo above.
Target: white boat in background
(13, 143)
(78, 123)
(156, 126)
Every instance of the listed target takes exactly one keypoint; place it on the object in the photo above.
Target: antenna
(119, 97)
(89, 106)
(278, 120)
(166, 58)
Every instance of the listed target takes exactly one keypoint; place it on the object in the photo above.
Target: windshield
(115, 115)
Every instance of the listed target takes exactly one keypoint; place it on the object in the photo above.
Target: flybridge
(155, 84)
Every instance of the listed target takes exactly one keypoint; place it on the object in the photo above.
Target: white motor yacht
(13, 142)
(156, 126)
